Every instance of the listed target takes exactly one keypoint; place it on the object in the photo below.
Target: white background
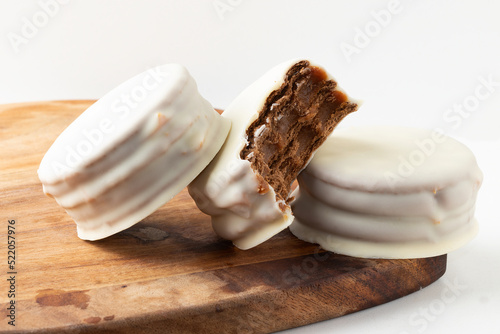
(419, 63)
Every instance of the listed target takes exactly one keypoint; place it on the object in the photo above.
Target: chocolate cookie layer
(295, 120)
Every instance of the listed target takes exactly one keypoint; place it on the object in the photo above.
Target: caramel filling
(295, 120)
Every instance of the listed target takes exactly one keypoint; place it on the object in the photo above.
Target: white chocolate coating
(243, 206)
(132, 151)
(228, 189)
(388, 192)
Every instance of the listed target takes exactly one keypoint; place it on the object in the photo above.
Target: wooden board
(170, 273)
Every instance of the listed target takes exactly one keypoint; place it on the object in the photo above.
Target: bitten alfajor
(388, 192)
(132, 151)
(277, 124)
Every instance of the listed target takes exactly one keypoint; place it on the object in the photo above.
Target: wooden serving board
(170, 273)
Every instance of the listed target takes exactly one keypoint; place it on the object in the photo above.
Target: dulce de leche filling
(294, 121)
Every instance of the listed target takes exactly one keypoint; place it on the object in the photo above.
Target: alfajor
(277, 124)
(388, 192)
(132, 151)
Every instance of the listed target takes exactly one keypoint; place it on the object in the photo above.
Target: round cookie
(132, 151)
(388, 192)
(277, 124)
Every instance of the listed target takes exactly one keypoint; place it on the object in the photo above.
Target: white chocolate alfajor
(132, 151)
(277, 124)
(388, 192)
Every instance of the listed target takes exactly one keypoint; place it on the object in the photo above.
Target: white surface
(420, 69)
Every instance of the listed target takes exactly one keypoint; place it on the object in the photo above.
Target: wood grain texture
(170, 273)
